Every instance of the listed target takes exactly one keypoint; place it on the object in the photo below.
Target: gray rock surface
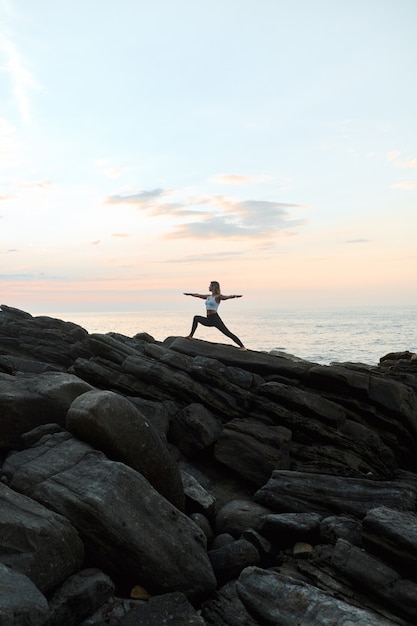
(37, 542)
(111, 423)
(287, 601)
(78, 597)
(21, 602)
(113, 508)
(288, 491)
(30, 400)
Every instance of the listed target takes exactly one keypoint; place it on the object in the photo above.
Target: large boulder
(114, 425)
(28, 400)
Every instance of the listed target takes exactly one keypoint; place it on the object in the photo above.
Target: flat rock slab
(287, 601)
(302, 492)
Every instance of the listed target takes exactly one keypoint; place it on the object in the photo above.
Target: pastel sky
(149, 147)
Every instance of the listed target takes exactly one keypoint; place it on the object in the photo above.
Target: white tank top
(211, 304)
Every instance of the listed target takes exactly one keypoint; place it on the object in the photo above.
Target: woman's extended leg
(198, 319)
(221, 326)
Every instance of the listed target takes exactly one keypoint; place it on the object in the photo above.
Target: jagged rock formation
(187, 482)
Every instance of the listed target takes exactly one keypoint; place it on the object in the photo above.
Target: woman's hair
(216, 286)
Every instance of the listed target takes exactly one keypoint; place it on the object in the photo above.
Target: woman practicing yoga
(213, 318)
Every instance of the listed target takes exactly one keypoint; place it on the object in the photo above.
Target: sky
(147, 148)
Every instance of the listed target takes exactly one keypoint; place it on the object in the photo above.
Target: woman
(213, 318)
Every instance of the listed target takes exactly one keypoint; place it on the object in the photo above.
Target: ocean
(357, 334)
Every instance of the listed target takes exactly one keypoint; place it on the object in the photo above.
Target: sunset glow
(147, 148)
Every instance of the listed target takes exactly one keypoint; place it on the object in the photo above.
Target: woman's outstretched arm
(196, 295)
(222, 297)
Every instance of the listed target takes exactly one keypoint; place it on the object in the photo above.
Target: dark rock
(405, 355)
(341, 527)
(113, 507)
(198, 500)
(325, 443)
(221, 540)
(171, 609)
(41, 338)
(21, 602)
(226, 609)
(231, 558)
(37, 542)
(115, 426)
(379, 580)
(392, 534)
(287, 601)
(194, 429)
(308, 493)
(285, 529)
(202, 522)
(78, 597)
(26, 401)
(110, 612)
(238, 515)
(253, 450)
(266, 550)
(257, 362)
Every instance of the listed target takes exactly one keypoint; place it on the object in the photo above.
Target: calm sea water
(361, 335)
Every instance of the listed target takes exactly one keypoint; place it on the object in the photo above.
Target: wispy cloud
(358, 241)
(242, 219)
(215, 216)
(141, 199)
(222, 216)
(150, 201)
(257, 219)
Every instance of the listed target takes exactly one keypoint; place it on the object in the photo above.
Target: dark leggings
(214, 320)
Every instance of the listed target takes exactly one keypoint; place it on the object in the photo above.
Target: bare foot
(242, 349)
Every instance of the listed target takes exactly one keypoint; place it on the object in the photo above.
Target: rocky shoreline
(188, 483)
